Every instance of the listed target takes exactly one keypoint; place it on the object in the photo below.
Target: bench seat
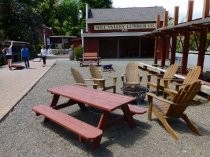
(89, 58)
(136, 109)
(74, 125)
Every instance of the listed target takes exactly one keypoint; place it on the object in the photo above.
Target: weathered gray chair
(80, 80)
(131, 77)
(99, 79)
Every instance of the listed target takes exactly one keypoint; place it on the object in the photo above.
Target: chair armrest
(109, 76)
(151, 95)
(168, 79)
(82, 84)
(178, 80)
(97, 79)
(160, 75)
(88, 79)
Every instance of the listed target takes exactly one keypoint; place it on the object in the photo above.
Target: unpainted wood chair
(191, 77)
(163, 80)
(99, 79)
(165, 109)
(80, 80)
(131, 76)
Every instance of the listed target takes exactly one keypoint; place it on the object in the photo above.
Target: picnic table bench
(78, 127)
(106, 102)
(89, 58)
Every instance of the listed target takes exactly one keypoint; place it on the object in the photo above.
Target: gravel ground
(23, 134)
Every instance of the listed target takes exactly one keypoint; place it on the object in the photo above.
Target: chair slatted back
(192, 76)
(183, 98)
(132, 73)
(170, 72)
(95, 73)
(77, 76)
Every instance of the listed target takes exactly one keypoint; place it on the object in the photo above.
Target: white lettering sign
(125, 26)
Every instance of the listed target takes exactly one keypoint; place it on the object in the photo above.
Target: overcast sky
(167, 4)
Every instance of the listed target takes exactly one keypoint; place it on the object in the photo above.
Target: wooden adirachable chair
(99, 79)
(131, 77)
(191, 77)
(165, 109)
(80, 80)
(162, 80)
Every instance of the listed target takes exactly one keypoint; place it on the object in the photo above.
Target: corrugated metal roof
(117, 15)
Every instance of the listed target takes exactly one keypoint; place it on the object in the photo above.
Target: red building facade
(120, 32)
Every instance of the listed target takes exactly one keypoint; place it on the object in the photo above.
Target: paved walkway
(16, 83)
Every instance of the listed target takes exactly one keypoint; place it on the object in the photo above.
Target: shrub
(78, 52)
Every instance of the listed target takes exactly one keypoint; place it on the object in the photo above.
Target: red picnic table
(104, 101)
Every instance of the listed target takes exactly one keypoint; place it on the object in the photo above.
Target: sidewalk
(16, 83)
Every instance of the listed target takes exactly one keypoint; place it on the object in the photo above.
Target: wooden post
(205, 8)
(174, 37)
(190, 10)
(164, 40)
(187, 38)
(185, 52)
(164, 46)
(202, 48)
(156, 51)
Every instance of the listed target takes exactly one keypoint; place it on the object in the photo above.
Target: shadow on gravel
(120, 134)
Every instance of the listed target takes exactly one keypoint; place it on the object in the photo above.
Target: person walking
(44, 55)
(8, 51)
(25, 55)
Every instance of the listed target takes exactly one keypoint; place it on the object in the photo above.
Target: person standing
(44, 55)
(8, 51)
(25, 55)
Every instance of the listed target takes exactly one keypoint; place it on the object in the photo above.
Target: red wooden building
(120, 32)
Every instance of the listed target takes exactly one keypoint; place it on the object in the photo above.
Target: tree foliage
(20, 19)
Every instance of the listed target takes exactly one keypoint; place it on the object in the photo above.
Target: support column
(174, 36)
(164, 40)
(164, 47)
(185, 52)
(156, 48)
(202, 48)
(156, 51)
(173, 50)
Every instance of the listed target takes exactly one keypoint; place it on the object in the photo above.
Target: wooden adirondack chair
(131, 76)
(191, 77)
(162, 80)
(165, 109)
(80, 80)
(99, 80)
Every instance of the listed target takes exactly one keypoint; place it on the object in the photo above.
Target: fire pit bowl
(137, 91)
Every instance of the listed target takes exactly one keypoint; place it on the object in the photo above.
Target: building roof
(121, 15)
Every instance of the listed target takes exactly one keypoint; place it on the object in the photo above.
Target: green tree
(67, 20)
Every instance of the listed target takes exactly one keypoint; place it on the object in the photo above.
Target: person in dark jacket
(25, 55)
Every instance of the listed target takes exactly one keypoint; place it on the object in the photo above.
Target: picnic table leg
(103, 119)
(54, 100)
(82, 106)
(128, 116)
(96, 142)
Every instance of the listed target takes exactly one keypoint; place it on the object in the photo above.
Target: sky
(167, 4)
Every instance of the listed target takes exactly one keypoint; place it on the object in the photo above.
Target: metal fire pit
(137, 91)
